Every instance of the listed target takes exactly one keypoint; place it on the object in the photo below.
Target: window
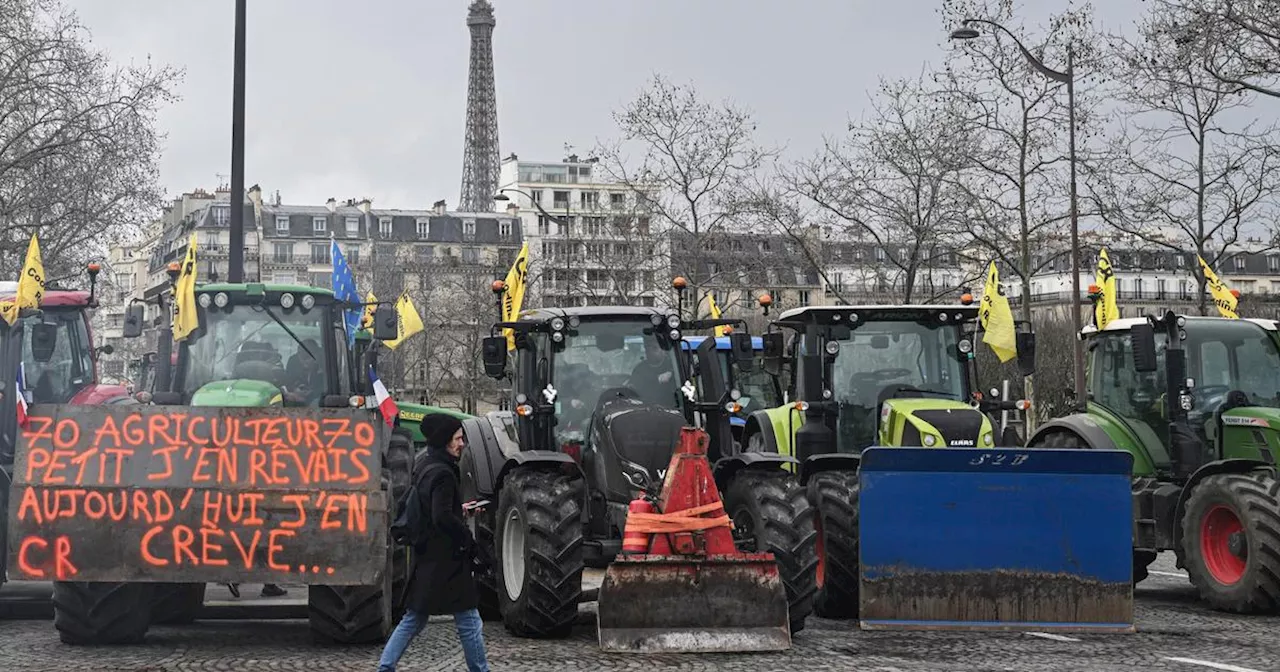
(284, 277)
(222, 215)
(424, 228)
(1273, 263)
(537, 196)
(1182, 261)
(469, 228)
(560, 200)
(1160, 288)
(320, 253)
(1239, 261)
(353, 226)
(617, 201)
(470, 255)
(321, 279)
(282, 253)
(589, 199)
(353, 256)
(504, 229)
(642, 226)
(804, 297)
(384, 227)
(319, 224)
(425, 253)
(544, 225)
(282, 223)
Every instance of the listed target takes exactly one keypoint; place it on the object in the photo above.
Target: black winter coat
(442, 581)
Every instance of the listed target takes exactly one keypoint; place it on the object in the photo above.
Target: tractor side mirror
(773, 346)
(44, 337)
(133, 319)
(1026, 344)
(1144, 347)
(386, 324)
(495, 356)
(743, 354)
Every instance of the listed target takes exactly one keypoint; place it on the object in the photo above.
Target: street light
(504, 198)
(968, 32)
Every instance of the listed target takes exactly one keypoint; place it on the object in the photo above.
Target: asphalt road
(1174, 633)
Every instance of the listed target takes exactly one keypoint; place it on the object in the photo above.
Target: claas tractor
(262, 355)
(600, 396)
(861, 376)
(1196, 401)
(53, 348)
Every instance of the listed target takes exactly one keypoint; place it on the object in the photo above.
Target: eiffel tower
(480, 158)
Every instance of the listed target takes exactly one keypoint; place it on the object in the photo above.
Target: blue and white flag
(344, 289)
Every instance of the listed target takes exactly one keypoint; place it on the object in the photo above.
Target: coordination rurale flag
(185, 319)
(1106, 310)
(514, 295)
(996, 318)
(410, 322)
(1222, 296)
(30, 284)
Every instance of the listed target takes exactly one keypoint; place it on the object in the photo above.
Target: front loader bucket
(674, 604)
(996, 539)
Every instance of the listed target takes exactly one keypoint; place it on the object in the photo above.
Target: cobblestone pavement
(1174, 633)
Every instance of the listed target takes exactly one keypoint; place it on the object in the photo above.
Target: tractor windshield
(248, 344)
(613, 356)
(759, 391)
(57, 357)
(884, 359)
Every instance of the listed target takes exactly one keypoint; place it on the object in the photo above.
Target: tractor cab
(264, 345)
(1222, 385)
(884, 375)
(758, 389)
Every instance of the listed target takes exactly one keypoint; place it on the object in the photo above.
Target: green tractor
(860, 376)
(1196, 401)
(259, 346)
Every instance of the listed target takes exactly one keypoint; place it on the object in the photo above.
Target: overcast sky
(348, 102)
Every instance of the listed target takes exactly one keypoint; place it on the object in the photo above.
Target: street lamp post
(235, 259)
(1068, 78)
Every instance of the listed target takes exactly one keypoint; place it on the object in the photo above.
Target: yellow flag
(715, 315)
(1222, 297)
(30, 285)
(185, 318)
(410, 321)
(514, 295)
(366, 320)
(1106, 309)
(997, 319)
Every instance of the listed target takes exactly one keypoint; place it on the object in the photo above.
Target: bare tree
(78, 143)
(694, 159)
(610, 258)
(889, 187)
(1016, 186)
(462, 309)
(1244, 35)
(1193, 174)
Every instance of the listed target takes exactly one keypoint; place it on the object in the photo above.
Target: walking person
(442, 581)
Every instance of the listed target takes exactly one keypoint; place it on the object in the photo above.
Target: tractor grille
(959, 427)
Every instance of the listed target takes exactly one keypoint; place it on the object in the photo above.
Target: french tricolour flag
(22, 398)
(385, 403)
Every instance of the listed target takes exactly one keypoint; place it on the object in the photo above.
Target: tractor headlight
(826, 394)
(574, 321)
(965, 345)
(673, 321)
(221, 300)
(557, 337)
(988, 440)
(286, 300)
(674, 335)
(735, 394)
(929, 441)
(356, 401)
(557, 324)
(205, 300)
(832, 347)
(655, 319)
(308, 301)
(942, 317)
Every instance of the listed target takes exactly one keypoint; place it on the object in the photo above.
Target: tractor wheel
(367, 614)
(176, 603)
(1231, 541)
(834, 495)
(539, 553)
(487, 581)
(771, 514)
(101, 613)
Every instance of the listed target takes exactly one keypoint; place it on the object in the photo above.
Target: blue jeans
(470, 633)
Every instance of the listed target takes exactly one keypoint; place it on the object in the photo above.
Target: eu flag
(344, 289)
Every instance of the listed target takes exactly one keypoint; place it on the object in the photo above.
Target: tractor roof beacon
(257, 346)
(861, 376)
(54, 347)
(599, 398)
(1196, 402)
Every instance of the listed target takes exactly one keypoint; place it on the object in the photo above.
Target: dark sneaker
(272, 590)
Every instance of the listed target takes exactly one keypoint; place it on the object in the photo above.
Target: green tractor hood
(1251, 432)
(239, 393)
(411, 416)
(934, 423)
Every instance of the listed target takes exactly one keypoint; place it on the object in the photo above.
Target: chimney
(513, 209)
(439, 207)
(332, 204)
(277, 198)
(365, 205)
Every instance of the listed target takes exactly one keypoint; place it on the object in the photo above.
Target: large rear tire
(101, 613)
(771, 514)
(834, 495)
(176, 603)
(367, 614)
(1231, 541)
(487, 580)
(539, 553)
